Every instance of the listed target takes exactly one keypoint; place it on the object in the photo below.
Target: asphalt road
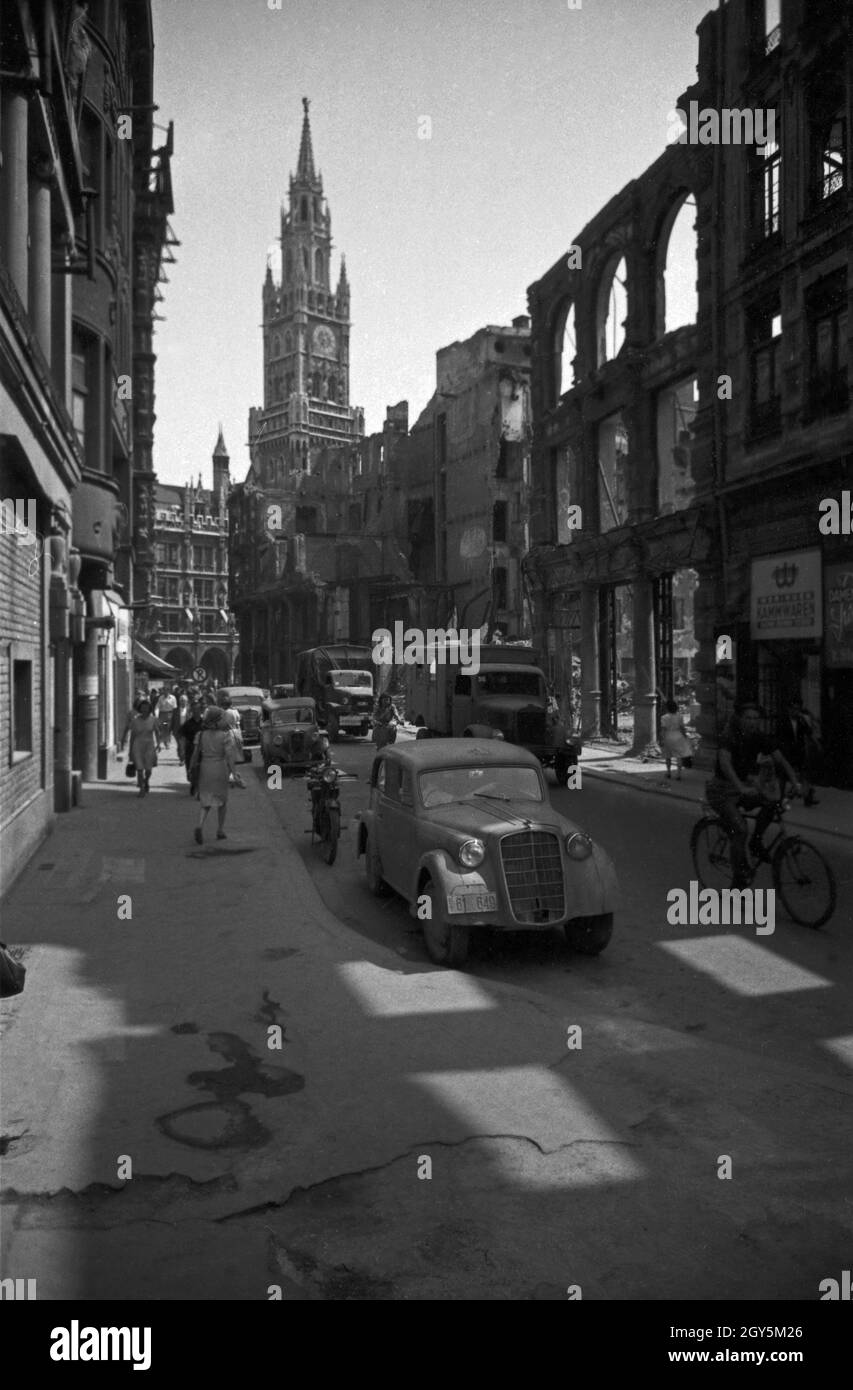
(651, 971)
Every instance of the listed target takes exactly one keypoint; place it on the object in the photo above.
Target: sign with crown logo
(786, 597)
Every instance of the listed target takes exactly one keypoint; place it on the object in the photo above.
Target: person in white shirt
(165, 710)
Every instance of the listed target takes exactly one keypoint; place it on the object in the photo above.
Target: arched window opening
(318, 266)
(305, 261)
(303, 210)
(288, 265)
(678, 267)
(565, 351)
(315, 385)
(276, 346)
(333, 388)
(612, 311)
(288, 342)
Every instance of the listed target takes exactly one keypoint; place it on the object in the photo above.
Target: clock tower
(306, 328)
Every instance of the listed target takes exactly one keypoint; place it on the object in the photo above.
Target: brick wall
(25, 801)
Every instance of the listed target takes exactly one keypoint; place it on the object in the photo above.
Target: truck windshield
(510, 683)
(352, 680)
(448, 784)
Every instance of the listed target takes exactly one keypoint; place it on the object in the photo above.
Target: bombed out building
(698, 439)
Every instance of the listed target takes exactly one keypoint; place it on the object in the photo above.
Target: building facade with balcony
(699, 450)
(188, 622)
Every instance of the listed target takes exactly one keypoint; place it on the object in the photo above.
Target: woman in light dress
(674, 739)
(144, 742)
(214, 759)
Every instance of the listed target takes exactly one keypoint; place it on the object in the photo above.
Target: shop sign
(123, 633)
(838, 594)
(785, 602)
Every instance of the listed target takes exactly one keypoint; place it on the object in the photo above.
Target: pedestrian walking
(674, 739)
(212, 762)
(144, 735)
(165, 710)
(797, 737)
(384, 722)
(187, 735)
(231, 721)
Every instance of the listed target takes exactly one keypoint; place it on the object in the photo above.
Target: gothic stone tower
(306, 332)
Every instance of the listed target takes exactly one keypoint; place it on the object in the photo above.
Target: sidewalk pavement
(610, 763)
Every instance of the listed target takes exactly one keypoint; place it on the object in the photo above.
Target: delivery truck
(340, 679)
(505, 698)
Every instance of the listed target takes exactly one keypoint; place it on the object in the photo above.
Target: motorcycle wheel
(329, 843)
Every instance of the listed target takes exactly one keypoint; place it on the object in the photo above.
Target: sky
(539, 114)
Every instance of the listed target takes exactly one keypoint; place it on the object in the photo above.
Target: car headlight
(498, 733)
(578, 846)
(472, 853)
(278, 739)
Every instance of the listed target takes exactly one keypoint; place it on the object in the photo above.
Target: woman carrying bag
(144, 743)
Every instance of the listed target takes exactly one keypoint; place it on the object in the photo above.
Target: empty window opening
(676, 415)
(680, 299)
(612, 472)
(612, 312)
(565, 351)
(499, 521)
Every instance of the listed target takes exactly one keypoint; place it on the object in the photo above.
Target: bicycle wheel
(711, 848)
(329, 845)
(804, 881)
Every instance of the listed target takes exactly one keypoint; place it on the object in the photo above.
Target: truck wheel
(446, 943)
(365, 730)
(561, 769)
(333, 728)
(373, 871)
(589, 935)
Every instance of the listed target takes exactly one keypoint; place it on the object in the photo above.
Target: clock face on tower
(325, 343)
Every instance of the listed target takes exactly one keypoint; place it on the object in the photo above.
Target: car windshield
(510, 683)
(441, 786)
(245, 697)
(293, 716)
(352, 680)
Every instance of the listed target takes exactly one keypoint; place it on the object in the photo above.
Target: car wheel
(373, 871)
(446, 943)
(589, 935)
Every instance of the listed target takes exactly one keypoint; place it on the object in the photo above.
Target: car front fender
(447, 874)
(592, 887)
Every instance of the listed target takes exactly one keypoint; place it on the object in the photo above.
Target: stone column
(40, 274)
(645, 668)
(590, 666)
(87, 706)
(14, 204)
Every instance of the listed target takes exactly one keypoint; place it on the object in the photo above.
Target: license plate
(352, 719)
(471, 900)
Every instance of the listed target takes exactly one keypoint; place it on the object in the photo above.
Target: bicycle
(801, 876)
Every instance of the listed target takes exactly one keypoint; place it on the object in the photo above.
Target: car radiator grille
(534, 876)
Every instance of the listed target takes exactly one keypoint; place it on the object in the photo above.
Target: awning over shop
(154, 665)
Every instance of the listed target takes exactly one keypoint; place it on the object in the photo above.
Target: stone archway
(215, 663)
(180, 658)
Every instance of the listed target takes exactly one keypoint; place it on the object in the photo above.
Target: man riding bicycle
(735, 785)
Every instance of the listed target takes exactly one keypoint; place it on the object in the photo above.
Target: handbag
(130, 769)
(12, 974)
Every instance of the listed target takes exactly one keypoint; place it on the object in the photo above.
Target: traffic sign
(199, 674)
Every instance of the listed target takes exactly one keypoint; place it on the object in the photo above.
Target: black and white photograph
(426, 662)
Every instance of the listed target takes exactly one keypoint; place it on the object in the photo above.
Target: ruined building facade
(699, 451)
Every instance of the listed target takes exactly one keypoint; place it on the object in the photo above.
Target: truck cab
(506, 698)
(339, 679)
